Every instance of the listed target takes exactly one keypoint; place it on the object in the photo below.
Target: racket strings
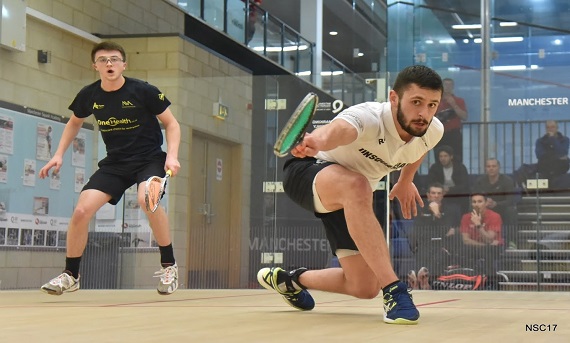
(298, 128)
(154, 189)
(293, 132)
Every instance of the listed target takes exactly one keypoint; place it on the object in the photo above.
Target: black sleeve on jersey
(81, 104)
(156, 102)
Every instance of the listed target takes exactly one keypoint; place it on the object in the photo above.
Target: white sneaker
(61, 284)
(168, 283)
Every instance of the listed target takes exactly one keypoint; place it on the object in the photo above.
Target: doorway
(212, 251)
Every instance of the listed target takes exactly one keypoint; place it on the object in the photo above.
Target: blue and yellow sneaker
(399, 307)
(284, 283)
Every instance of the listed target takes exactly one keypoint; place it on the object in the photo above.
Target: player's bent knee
(358, 185)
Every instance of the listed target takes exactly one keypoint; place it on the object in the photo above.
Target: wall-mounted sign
(220, 111)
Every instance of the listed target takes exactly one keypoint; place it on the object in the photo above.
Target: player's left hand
(409, 197)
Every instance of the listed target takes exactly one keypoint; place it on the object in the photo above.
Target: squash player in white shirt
(334, 172)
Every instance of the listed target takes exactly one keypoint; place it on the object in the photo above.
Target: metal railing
(510, 142)
(268, 36)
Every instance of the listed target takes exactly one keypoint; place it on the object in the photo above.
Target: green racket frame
(294, 130)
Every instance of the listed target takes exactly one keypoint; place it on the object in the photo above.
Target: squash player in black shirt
(127, 112)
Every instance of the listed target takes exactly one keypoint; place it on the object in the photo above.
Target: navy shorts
(299, 174)
(115, 177)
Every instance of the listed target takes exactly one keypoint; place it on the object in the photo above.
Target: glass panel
(214, 13)
(527, 87)
(274, 41)
(305, 61)
(256, 26)
(291, 48)
(326, 74)
(190, 6)
(237, 20)
(374, 10)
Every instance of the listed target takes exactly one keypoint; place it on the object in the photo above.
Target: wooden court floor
(262, 316)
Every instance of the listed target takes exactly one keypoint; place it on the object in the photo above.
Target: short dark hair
(108, 45)
(493, 159)
(477, 192)
(434, 185)
(421, 75)
(445, 148)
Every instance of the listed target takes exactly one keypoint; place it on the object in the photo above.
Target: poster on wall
(39, 237)
(78, 150)
(132, 208)
(79, 179)
(28, 139)
(41, 206)
(26, 237)
(44, 136)
(12, 236)
(29, 172)
(51, 238)
(6, 135)
(55, 180)
(3, 168)
(106, 212)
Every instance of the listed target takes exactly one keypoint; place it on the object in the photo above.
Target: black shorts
(115, 177)
(299, 174)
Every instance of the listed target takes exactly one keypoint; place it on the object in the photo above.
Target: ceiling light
(557, 42)
(508, 23)
(447, 41)
(360, 54)
(466, 26)
(333, 33)
(509, 67)
(501, 39)
(507, 39)
(429, 41)
(333, 73)
(513, 67)
(278, 48)
(323, 73)
(466, 41)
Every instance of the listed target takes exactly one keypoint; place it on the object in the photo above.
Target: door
(210, 232)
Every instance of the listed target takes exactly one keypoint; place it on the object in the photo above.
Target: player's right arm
(69, 132)
(324, 138)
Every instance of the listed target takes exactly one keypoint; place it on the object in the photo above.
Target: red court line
(76, 303)
(180, 300)
(437, 302)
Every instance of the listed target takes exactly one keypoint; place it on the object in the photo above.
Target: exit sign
(220, 111)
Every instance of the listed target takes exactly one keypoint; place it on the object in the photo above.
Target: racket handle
(169, 172)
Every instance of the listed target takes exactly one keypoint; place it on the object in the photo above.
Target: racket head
(295, 128)
(154, 190)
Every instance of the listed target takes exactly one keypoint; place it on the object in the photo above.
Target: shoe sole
(52, 292)
(168, 293)
(400, 321)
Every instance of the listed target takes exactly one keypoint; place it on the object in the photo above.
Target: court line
(437, 302)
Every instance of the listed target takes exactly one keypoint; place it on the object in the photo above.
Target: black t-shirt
(427, 226)
(126, 117)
